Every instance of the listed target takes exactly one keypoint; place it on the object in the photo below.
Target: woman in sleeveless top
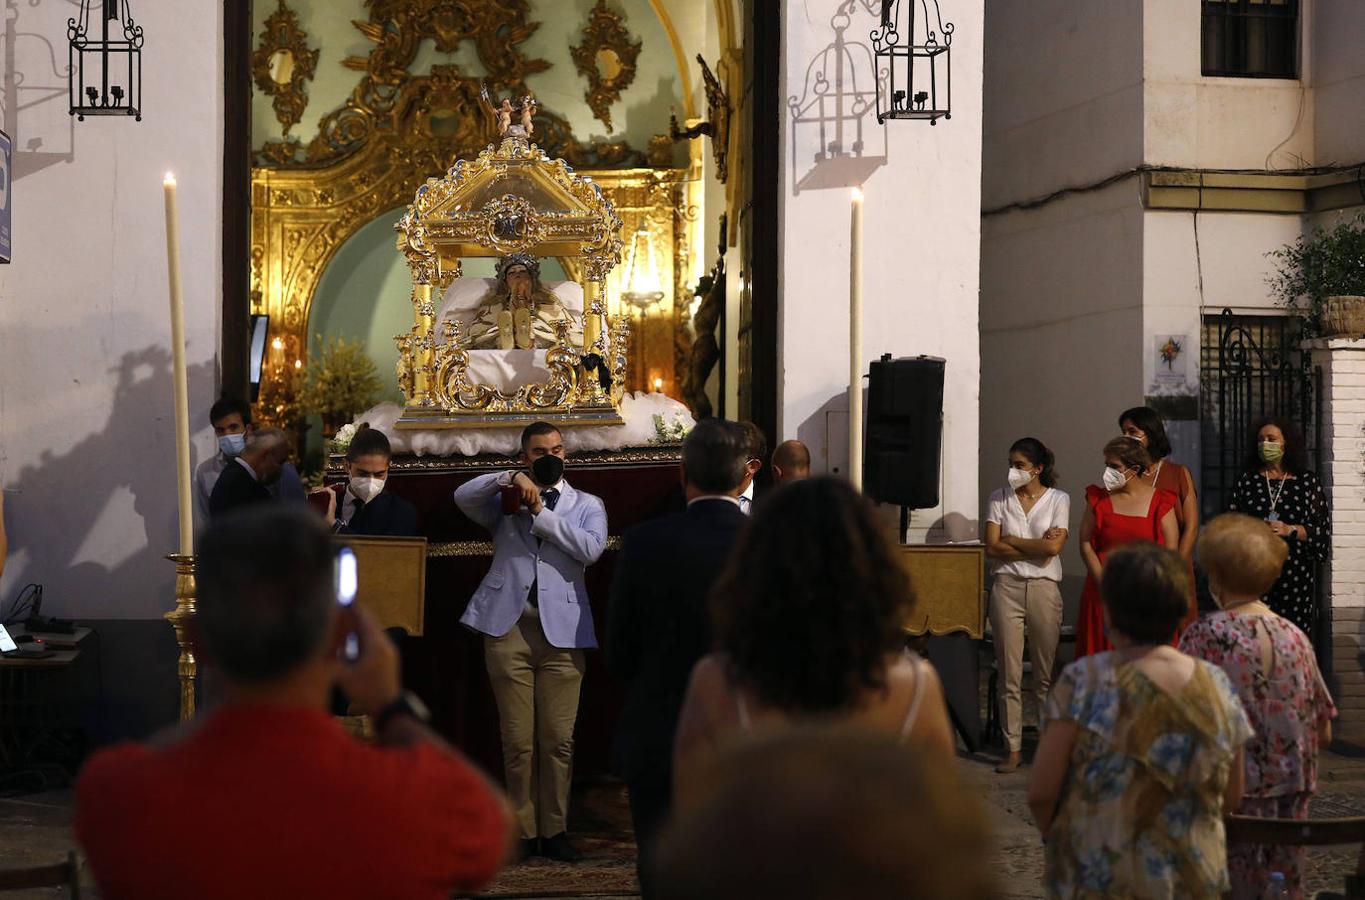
(1123, 510)
(1142, 750)
(1271, 665)
(1143, 424)
(809, 621)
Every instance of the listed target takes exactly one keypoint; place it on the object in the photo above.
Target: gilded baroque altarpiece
(398, 129)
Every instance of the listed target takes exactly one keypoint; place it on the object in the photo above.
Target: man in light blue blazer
(532, 609)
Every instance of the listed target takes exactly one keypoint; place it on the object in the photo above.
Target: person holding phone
(532, 609)
(360, 505)
(294, 805)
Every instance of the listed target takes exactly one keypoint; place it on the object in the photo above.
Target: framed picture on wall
(6, 166)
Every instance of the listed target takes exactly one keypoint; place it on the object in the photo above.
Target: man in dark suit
(659, 626)
(246, 479)
(756, 444)
(361, 505)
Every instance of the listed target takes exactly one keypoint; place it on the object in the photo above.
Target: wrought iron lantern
(914, 76)
(106, 69)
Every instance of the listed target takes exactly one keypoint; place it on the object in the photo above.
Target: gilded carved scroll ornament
(606, 58)
(282, 64)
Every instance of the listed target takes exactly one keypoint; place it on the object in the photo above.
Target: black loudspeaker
(904, 437)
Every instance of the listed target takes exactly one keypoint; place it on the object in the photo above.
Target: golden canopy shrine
(512, 199)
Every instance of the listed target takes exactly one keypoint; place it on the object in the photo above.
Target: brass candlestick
(180, 619)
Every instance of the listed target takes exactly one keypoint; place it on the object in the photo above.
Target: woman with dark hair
(1277, 488)
(809, 622)
(1144, 424)
(1142, 751)
(1026, 528)
(360, 505)
(1123, 509)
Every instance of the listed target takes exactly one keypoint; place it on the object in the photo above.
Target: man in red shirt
(267, 795)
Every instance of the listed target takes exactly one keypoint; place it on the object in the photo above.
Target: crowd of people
(778, 736)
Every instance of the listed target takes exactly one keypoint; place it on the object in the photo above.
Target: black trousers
(651, 799)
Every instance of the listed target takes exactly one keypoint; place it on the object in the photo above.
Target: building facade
(1141, 159)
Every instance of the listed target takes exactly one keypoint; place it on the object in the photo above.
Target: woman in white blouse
(1026, 527)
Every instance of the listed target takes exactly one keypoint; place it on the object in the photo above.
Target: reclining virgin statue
(520, 313)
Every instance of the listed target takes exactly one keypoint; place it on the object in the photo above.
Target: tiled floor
(36, 829)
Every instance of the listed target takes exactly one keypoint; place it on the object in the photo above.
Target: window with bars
(1251, 38)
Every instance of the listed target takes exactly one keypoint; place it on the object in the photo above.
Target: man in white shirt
(757, 445)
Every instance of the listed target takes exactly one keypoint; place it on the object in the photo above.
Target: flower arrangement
(1323, 264)
(1169, 351)
(341, 441)
(340, 381)
(668, 432)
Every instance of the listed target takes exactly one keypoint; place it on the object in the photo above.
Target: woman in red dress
(1125, 509)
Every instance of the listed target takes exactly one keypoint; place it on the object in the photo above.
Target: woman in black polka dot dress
(1277, 488)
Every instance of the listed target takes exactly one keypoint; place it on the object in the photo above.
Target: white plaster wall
(1219, 123)
(1063, 104)
(1339, 81)
(86, 426)
(921, 261)
(1230, 253)
(1061, 302)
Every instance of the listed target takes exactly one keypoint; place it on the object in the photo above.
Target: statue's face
(518, 279)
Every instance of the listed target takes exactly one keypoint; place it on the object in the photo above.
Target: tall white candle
(182, 409)
(855, 344)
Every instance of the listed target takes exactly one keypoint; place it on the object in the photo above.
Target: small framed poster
(6, 195)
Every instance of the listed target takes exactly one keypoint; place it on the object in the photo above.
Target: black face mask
(548, 469)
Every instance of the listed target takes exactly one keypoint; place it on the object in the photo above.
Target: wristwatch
(407, 704)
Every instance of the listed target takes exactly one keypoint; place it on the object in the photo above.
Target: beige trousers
(1020, 604)
(536, 687)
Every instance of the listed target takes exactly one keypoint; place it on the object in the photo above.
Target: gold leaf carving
(282, 63)
(606, 58)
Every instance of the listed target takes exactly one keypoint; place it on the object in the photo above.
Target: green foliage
(340, 380)
(1323, 264)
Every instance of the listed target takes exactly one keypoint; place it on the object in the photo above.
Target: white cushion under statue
(510, 321)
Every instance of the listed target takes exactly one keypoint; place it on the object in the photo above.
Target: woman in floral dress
(1271, 665)
(1277, 488)
(1142, 751)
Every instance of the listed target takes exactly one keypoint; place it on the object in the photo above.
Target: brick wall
(1343, 474)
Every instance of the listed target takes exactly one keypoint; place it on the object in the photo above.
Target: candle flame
(298, 364)
(277, 344)
(658, 384)
(857, 195)
(169, 179)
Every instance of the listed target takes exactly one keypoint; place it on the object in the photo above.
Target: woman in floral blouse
(1270, 663)
(1277, 488)
(1142, 751)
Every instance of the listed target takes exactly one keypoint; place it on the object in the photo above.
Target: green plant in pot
(1321, 276)
(340, 381)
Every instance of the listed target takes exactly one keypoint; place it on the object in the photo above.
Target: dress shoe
(559, 849)
(1009, 763)
(528, 848)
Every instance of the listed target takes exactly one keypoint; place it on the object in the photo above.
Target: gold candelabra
(180, 619)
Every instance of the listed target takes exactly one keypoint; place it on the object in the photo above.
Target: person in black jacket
(658, 626)
(361, 505)
(246, 479)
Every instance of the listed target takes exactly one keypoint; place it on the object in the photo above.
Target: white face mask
(1019, 477)
(366, 488)
(1113, 479)
(232, 445)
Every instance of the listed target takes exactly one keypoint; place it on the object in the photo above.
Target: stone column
(1342, 362)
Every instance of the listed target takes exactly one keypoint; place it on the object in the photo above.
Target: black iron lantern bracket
(105, 71)
(914, 67)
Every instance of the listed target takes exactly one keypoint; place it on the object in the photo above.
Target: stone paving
(1018, 853)
(36, 829)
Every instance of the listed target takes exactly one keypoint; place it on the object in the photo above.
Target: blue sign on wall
(6, 166)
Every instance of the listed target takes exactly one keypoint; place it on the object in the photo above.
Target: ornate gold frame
(605, 30)
(282, 33)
